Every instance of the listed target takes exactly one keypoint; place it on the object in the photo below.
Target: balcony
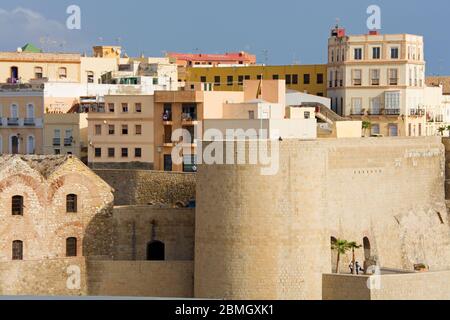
(392, 112)
(375, 112)
(13, 121)
(375, 82)
(393, 81)
(357, 112)
(29, 122)
(417, 112)
(68, 142)
(56, 142)
(167, 117)
(188, 117)
(357, 82)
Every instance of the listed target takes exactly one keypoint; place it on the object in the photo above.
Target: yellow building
(120, 135)
(66, 133)
(21, 119)
(304, 78)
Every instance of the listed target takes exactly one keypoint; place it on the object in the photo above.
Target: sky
(277, 31)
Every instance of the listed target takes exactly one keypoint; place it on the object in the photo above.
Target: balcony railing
(375, 82)
(68, 142)
(417, 112)
(393, 81)
(392, 112)
(357, 82)
(29, 122)
(56, 141)
(189, 117)
(375, 112)
(357, 112)
(13, 121)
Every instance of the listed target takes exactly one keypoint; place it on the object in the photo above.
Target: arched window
(155, 251)
(17, 206)
(71, 203)
(17, 250)
(14, 111)
(14, 145)
(30, 111)
(30, 145)
(366, 244)
(71, 247)
(62, 73)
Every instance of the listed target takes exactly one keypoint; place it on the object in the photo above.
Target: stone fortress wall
(268, 237)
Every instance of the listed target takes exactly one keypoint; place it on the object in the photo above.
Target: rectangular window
(111, 107)
(17, 250)
(358, 54)
(111, 152)
(98, 129)
(98, 152)
(319, 78)
(240, 80)
(189, 163)
(376, 53)
(357, 106)
(111, 129)
(124, 107)
(203, 79)
(275, 77)
(138, 107)
(137, 152)
(138, 129)
(167, 162)
(229, 80)
(247, 77)
(394, 53)
(38, 73)
(375, 129)
(217, 80)
(392, 103)
(17, 206)
(357, 77)
(124, 152)
(288, 79)
(124, 129)
(393, 77)
(375, 77)
(393, 130)
(295, 79)
(375, 106)
(306, 78)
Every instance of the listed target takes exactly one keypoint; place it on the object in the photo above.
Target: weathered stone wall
(168, 279)
(268, 237)
(414, 286)
(136, 226)
(142, 187)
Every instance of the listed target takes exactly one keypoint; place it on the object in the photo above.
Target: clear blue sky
(291, 30)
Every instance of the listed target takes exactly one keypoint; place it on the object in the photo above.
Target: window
(247, 77)
(217, 80)
(167, 162)
(137, 152)
(376, 53)
(124, 152)
(295, 79)
(138, 129)
(394, 53)
(306, 78)
(358, 54)
(259, 77)
(319, 78)
(203, 79)
(357, 77)
(288, 79)
(111, 152)
(62, 72)
(357, 106)
(393, 77)
(17, 250)
(57, 151)
(332, 55)
(240, 80)
(98, 152)
(138, 107)
(307, 115)
(124, 129)
(375, 129)
(319, 94)
(71, 247)
(189, 163)
(71, 203)
(111, 129)
(90, 77)
(275, 77)
(392, 103)
(375, 77)
(38, 73)
(375, 106)
(111, 107)
(98, 129)
(17, 206)
(393, 130)
(124, 107)
(155, 251)
(229, 80)
(30, 145)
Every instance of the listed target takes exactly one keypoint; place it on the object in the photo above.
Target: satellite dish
(19, 49)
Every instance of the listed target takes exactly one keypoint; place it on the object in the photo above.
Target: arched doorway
(155, 251)
(15, 145)
(333, 240)
(367, 253)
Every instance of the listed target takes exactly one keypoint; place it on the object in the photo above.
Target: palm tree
(341, 246)
(353, 246)
(441, 130)
(366, 125)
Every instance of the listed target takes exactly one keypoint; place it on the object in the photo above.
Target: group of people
(357, 266)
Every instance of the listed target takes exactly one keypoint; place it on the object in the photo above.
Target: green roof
(29, 47)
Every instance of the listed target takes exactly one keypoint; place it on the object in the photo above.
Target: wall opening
(155, 251)
(366, 244)
(333, 240)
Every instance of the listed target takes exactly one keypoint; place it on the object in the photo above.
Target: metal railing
(29, 122)
(13, 121)
(392, 112)
(56, 141)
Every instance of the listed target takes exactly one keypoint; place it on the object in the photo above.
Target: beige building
(121, 135)
(66, 133)
(379, 79)
(21, 120)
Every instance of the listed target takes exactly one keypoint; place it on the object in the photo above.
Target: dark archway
(156, 251)
(14, 74)
(366, 244)
(14, 145)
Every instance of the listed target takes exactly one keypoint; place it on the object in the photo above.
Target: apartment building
(185, 110)
(379, 79)
(66, 133)
(304, 78)
(21, 119)
(121, 132)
